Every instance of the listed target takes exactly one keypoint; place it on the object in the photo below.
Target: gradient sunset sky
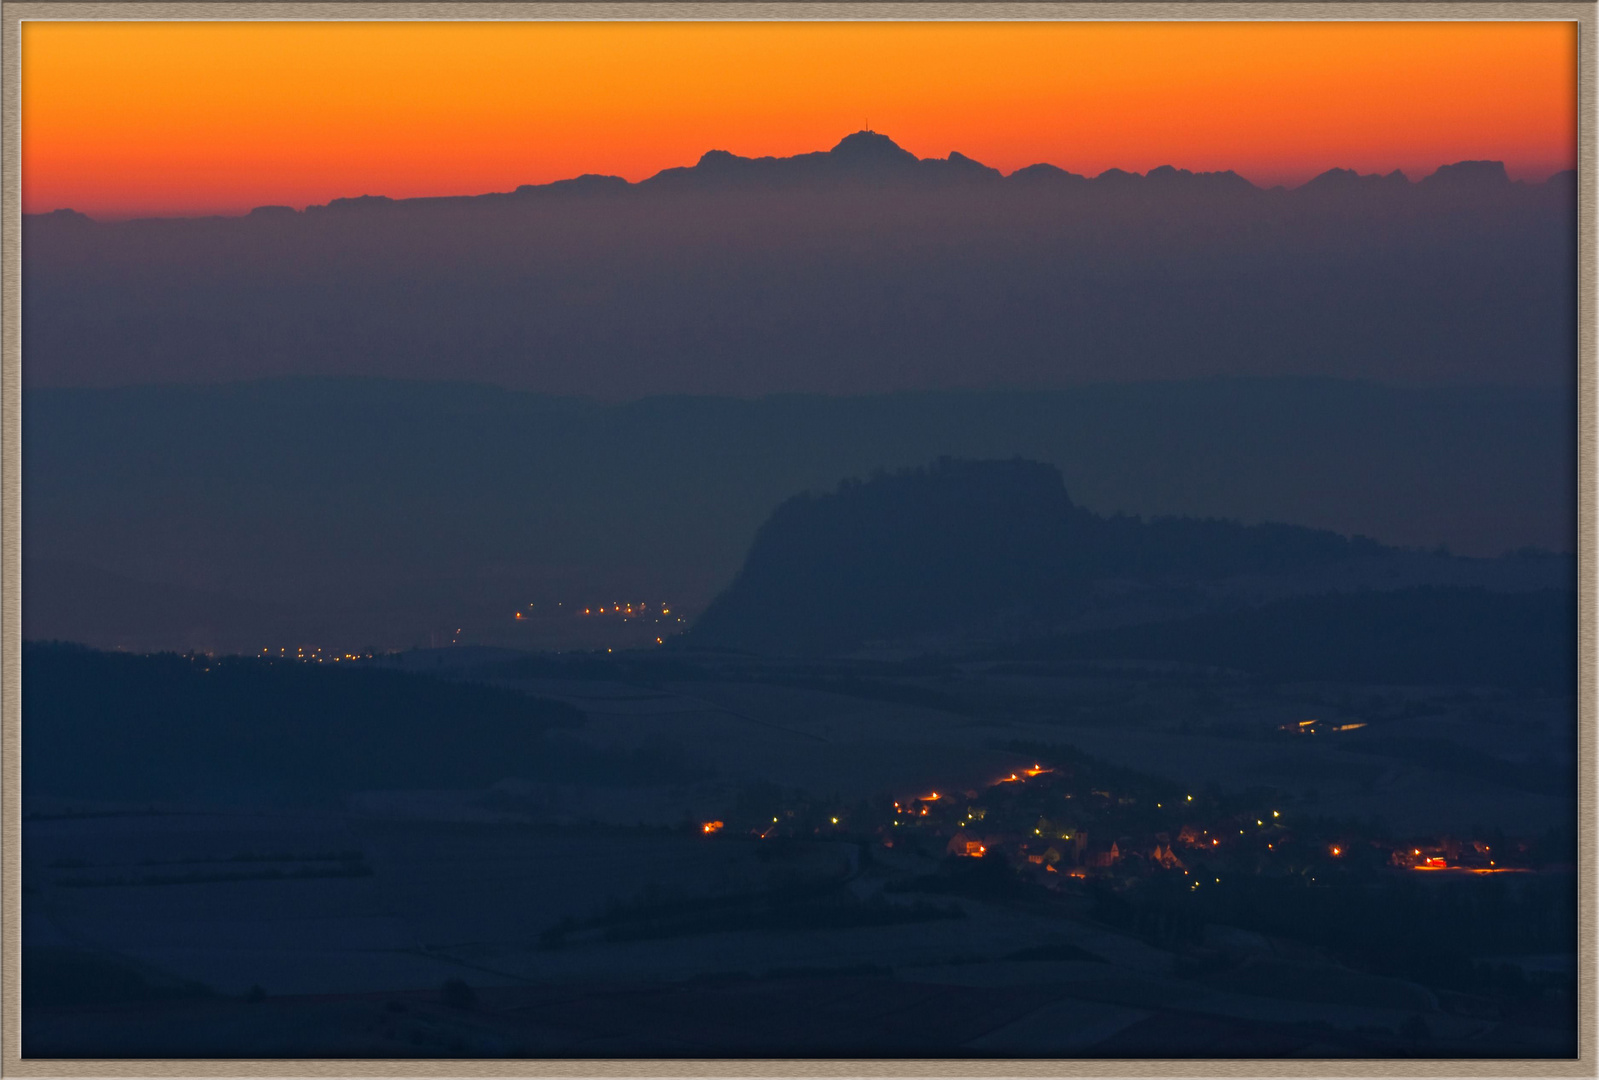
(127, 119)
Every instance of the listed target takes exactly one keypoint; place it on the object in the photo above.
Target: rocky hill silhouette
(964, 552)
(282, 512)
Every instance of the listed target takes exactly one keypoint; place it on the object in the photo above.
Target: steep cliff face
(957, 545)
(993, 550)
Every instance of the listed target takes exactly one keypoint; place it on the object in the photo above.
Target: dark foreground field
(704, 856)
(960, 1011)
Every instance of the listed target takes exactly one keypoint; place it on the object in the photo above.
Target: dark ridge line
(865, 155)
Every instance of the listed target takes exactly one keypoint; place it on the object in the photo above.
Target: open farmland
(776, 840)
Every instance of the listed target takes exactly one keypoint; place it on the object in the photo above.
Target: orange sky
(121, 119)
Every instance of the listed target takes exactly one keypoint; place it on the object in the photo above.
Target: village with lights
(1056, 825)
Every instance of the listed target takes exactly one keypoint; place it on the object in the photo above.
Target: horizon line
(135, 215)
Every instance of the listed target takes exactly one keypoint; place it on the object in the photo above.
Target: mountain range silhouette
(859, 269)
(872, 159)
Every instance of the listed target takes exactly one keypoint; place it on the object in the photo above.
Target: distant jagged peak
(1470, 174)
(1226, 179)
(712, 159)
(1045, 173)
(587, 184)
(1336, 179)
(867, 157)
(1334, 176)
(357, 202)
(1163, 176)
(958, 165)
(871, 146)
(65, 215)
